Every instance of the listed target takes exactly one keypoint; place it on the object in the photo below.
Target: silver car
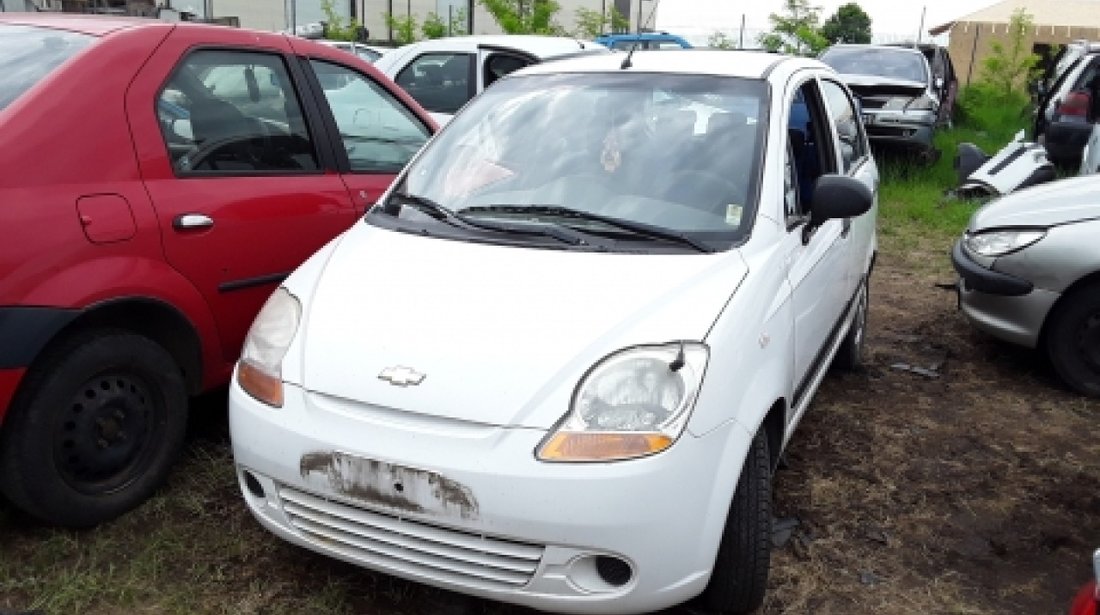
(1029, 265)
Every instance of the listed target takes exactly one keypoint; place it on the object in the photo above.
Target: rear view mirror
(839, 196)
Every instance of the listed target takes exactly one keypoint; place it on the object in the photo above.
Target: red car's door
(239, 167)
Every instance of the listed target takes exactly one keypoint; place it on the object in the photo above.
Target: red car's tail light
(1076, 104)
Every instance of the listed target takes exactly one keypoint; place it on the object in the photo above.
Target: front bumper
(898, 130)
(468, 507)
(1004, 306)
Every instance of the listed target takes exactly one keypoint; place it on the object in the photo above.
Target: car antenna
(630, 54)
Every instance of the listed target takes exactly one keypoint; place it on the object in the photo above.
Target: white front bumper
(476, 512)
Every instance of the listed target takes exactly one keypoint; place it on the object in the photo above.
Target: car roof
(539, 46)
(92, 25)
(746, 64)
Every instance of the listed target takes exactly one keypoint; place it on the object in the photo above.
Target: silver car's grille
(392, 542)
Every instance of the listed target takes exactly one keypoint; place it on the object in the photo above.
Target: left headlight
(633, 403)
(1002, 242)
(260, 369)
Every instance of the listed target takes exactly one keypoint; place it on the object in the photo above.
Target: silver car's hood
(1058, 202)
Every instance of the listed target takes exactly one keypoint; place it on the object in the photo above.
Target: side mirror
(839, 196)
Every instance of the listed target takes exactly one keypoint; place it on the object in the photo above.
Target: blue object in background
(646, 40)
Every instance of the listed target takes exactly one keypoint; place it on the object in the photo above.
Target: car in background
(1068, 103)
(638, 303)
(1087, 601)
(143, 241)
(1030, 274)
(945, 81)
(444, 74)
(644, 40)
(898, 96)
(369, 53)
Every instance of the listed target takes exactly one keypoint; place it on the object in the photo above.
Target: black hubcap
(1088, 340)
(104, 432)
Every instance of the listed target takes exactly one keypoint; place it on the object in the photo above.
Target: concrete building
(1056, 22)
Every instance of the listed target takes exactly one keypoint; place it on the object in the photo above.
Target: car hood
(501, 334)
(1051, 204)
(874, 85)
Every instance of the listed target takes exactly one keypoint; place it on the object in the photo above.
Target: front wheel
(850, 354)
(1073, 340)
(740, 574)
(95, 429)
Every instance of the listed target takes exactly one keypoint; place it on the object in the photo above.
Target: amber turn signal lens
(605, 446)
(256, 383)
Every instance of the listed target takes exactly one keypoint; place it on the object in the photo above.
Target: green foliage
(404, 27)
(525, 16)
(1007, 68)
(984, 107)
(850, 24)
(795, 30)
(719, 40)
(433, 26)
(458, 23)
(336, 28)
(591, 24)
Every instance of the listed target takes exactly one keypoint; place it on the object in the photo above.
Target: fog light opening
(613, 570)
(253, 485)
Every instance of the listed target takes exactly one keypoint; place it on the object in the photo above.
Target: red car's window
(28, 54)
(234, 112)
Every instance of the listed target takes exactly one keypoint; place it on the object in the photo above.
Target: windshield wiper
(439, 212)
(631, 226)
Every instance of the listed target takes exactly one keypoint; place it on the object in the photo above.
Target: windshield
(28, 54)
(890, 63)
(673, 152)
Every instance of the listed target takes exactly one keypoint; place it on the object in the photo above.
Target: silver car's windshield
(678, 152)
(889, 63)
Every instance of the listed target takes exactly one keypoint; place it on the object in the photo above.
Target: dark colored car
(945, 81)
(1068, 103)
(157, 182)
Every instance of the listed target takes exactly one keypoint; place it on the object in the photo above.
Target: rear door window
(28, 54)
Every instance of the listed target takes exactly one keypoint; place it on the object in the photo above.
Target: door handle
(187, 222)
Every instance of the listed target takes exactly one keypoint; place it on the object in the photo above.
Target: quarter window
(440, 82)
(849, 129)
(231, 113)
(379, 133)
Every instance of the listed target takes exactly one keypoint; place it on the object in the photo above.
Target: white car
(444, 74)
(370, 53)
(556, 364)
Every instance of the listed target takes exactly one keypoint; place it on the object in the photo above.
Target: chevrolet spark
(556, 364)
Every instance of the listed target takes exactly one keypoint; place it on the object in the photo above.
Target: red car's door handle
(185, 222)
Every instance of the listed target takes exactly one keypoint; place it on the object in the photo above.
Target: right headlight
(633, 403)
(1004, 241)
(259, 371)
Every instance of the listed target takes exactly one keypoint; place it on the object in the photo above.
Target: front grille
(393, 542)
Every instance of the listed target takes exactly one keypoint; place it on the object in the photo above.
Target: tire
(1073, 340)
(849, 356)
(740, 574)
(94, 430)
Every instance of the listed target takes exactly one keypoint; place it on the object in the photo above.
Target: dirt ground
(973, 488)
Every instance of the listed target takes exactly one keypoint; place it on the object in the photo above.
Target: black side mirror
(839, 196)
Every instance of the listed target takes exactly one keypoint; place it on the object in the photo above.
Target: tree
(719, 40)
(1007, 68)
(591, 24)
(850, 24)
(795, 30)
(525, 16)
(335, 27)
(404, 27)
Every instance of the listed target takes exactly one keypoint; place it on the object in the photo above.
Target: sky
(891, 20)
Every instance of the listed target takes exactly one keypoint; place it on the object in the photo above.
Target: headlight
(260, 369)
(901, 103)
(999, 243)
(633, 403)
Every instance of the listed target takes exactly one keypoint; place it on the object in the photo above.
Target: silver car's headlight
(1001, 242)
(901, 103)
(633, 403)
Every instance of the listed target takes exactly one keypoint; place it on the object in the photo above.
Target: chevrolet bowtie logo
(401, 376)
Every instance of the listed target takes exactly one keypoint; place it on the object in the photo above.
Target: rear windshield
(28, 54)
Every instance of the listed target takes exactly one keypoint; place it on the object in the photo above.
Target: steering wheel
(705, 191)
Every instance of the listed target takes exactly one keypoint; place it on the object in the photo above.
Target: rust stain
(392, 486)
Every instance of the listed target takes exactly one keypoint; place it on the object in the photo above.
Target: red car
(157, 181)
(1087, 601)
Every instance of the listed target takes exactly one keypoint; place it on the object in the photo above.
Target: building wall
(972, 42)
